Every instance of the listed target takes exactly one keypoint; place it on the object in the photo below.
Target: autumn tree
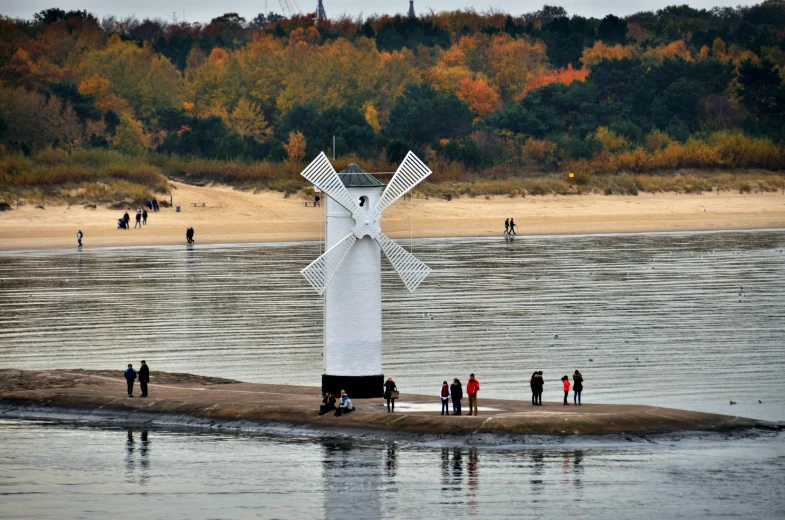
(480, 97)
(247, 120)
(295, 147)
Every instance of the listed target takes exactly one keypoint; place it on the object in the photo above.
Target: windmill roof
(355, 177)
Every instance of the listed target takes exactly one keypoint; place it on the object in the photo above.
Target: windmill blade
(320, 271)
(322, 175)
(411, 270)
(409, 174)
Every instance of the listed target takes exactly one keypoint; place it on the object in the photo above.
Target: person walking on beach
(444, 393)
(390, 393)
(144, 377)
(506, 226)
(144, 216)
(512, 226)
(189, 235)
(456, 393)
(138, 218)
(127, 220)
(472, 387)
(537, 383)
(79, 238)
(566, 381)
(577, 387)
(130, 376)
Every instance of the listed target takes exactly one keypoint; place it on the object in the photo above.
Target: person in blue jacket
(130, 376)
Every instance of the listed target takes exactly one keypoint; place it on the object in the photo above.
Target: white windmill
(349, 272)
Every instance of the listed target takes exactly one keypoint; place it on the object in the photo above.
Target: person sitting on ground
(345, 406)
(328, 403)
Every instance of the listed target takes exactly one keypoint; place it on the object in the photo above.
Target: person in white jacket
(445, 394)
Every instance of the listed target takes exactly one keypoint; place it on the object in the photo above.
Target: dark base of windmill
(355, 386)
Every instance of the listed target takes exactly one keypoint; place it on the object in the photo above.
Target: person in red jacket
(566, 381)
(472, 387)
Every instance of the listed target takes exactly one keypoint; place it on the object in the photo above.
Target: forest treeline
(478, 95)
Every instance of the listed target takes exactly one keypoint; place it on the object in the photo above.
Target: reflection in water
(352, 482)
(131, 458)
(72, 472)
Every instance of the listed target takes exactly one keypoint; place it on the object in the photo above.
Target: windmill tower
(320, 14)
(349, 272)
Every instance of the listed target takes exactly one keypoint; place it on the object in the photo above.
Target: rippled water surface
(684, 320)
(54, 472)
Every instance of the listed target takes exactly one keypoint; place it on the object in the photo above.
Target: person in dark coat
(328, 403)
(389, 388)
(531, 385)
(130, 376)
(127, 220)
(138, 218)
(537, 386)
(456, 394)
(79, 236)
(189, 235)
(506, 226)
(144, 378)
(144, 217)
(444, 394)
(577, 387)
(512, 226)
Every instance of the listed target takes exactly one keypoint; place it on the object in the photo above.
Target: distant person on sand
(472, 387)
(130, 376)
(189, 235)
(328, 403)
(444, 393)
(155, 204)
(577, 387)
(538, 383)
(456, 393)
(144, 216)
(531, 385)
(566, 381)
(138, 218)
(512, 227)
(144, 378)
(506, 226)
(345, 406)
(390, 393)
(79, 238)
(127, 220)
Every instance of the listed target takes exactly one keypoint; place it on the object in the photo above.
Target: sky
(204, 10)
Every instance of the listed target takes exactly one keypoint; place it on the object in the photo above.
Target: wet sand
(188, 401)
(234, 216)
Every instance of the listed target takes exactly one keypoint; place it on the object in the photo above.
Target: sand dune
(231, 215)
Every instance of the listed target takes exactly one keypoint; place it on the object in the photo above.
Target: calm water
(684, 320)
(54, 472)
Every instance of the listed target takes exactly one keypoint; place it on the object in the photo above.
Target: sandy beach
(234, 216)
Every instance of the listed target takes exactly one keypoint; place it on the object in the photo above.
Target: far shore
(234, 216)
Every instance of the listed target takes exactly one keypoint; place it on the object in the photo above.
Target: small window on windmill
(364, 203)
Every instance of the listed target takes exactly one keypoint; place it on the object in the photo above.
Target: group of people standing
(509, 226)
(537, 383)
(454, 393)
(144, 378)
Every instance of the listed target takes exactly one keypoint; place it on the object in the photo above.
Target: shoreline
(97, 397)
(237, 217)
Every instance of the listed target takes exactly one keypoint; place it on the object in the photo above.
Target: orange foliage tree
(295, 148)
(565, 76)
(480, 97)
